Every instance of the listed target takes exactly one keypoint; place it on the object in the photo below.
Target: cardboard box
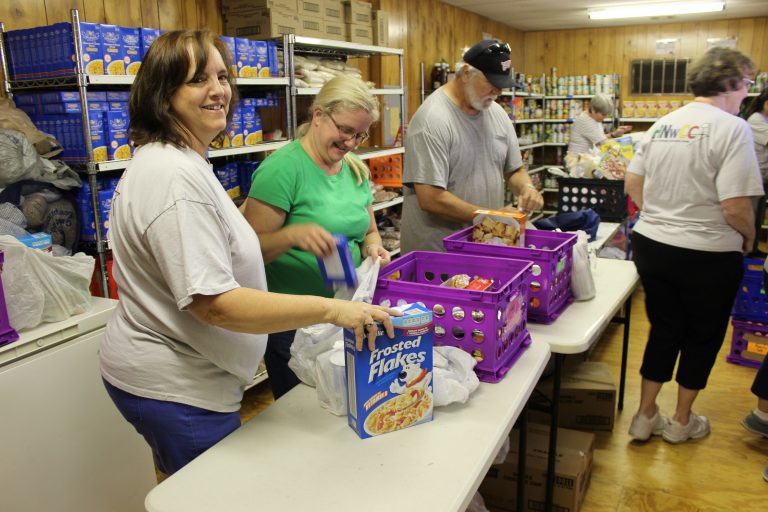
(390, 387)
(261, 24)
(587, 397)
(335, 30)
(381, 28)
(333, 11)
(311, 26)
(311, 8)
(362, 34)
(573, 468)
(232, 6)
(113, 50)
(357, 12)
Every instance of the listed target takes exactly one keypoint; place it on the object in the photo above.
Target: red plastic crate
(749, 343)
(549, 284)
(387, 170)
(490, 325)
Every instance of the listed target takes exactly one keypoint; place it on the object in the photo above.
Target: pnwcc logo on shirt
(684, 133)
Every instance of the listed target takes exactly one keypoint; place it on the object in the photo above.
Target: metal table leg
(521, 457)
(624, 351)
(552, 456)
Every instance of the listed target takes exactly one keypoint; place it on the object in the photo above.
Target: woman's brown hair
(163, 70)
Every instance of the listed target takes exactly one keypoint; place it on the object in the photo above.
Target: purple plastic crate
(490, 324)
(7, 333)
(749, 343)
(549, 284)
(751, 303)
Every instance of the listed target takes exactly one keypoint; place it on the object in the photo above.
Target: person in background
(462, 151)
(693, 177)
(757, 117)
(188, 333)
(305, 193)
(757, 420)
(587, 129)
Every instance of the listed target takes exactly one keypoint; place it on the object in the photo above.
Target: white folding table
(298, 456)
(580, 326)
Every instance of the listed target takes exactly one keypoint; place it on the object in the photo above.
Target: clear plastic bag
(582, 283)
(44, 287)
(331, 380)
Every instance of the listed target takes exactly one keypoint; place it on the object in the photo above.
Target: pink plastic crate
(7, 333)
(749, 343)
(549, 284)
(490, 324)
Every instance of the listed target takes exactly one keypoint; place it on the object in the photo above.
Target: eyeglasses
(497, 48)
(748, 82)
(349, 133)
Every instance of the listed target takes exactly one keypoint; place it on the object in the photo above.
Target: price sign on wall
(666, 46)
(725, 42)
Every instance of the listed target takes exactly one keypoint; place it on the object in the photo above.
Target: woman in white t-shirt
(190, 328)
(587, 130)
(693, 176)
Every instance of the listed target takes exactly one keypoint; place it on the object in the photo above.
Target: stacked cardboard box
(358, 21)
(311, 22)
(260, 19)
(333, 15)
(587, 397)
(573, 467)
(380, 28)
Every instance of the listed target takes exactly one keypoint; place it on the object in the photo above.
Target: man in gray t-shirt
(461, 152)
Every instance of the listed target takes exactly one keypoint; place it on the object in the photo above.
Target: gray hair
(601, 104)
(462, 68)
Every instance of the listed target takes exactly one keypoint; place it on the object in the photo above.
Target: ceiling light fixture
(655, 9)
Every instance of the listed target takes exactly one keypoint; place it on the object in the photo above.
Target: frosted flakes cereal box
(390, 388)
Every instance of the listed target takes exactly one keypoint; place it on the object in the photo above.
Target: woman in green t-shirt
(306, 192)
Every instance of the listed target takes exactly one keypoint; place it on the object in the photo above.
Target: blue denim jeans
(177, 433)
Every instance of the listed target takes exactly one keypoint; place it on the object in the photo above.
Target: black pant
(688, 298)
(281, 377)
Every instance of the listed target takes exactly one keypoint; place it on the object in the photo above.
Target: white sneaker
(643, 427)
(697, 427)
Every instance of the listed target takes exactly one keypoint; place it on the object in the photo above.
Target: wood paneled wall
(430, 30)
(610, 50)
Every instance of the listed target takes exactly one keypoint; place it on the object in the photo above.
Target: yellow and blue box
(113, 50)
(147, 36)
(235, 131)
(242, 59)
(229, 42)
(117, 135)
(390, 388)
(262, 64)
(252, 132)
(92, 50)
(131, 40)
(98, 135)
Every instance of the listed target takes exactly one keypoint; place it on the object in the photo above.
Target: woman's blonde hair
(345, 92)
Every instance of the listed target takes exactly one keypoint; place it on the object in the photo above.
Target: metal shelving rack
(82, 81)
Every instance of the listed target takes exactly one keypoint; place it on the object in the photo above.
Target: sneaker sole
(680, 441)
(748, 428)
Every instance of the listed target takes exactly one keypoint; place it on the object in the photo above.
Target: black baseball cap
(492, 57)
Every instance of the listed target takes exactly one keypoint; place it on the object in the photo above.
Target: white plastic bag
(582, 283)
(477, 504)
(310, 342)
(454, 378)
(41, 287)
(331, 380)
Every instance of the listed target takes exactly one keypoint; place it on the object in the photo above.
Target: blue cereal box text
(390, 388)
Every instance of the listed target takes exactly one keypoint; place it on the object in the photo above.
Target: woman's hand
(361, 317)
(377, 250)
(311, 238)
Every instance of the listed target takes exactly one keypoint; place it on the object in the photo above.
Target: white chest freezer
(64, 447)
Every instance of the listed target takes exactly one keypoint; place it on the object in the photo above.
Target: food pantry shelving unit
(83, 82)
(539, 136)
